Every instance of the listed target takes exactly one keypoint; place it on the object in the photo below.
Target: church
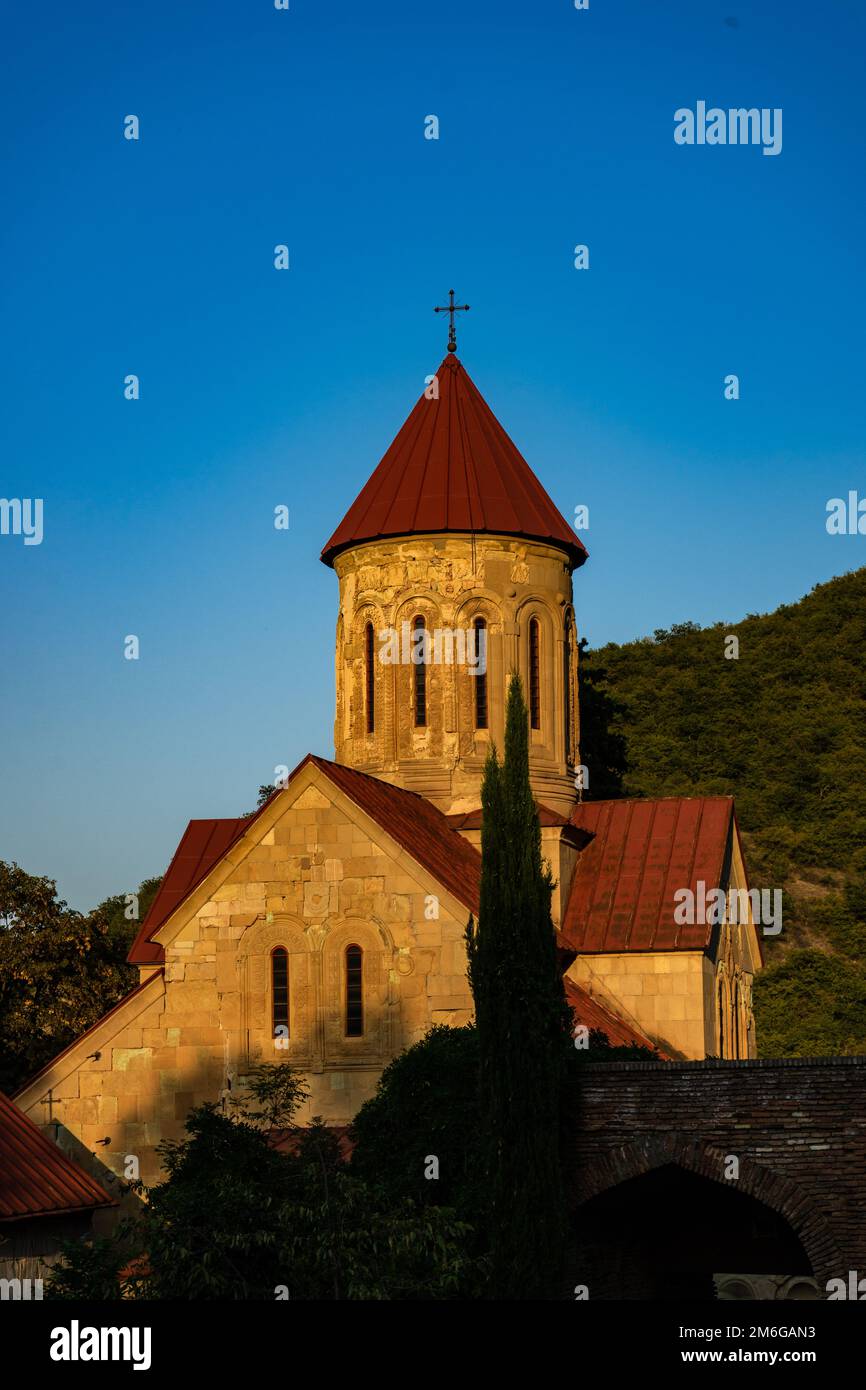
(327, 928)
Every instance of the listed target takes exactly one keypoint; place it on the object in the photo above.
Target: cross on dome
(451, 309)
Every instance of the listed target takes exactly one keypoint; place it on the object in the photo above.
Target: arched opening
(534, 674)
(674, 1234)
(721, 1017)
(420, 651)
(735, 1020)
(479, 673)
(354, 992)
(566, 691)
(279, 995)
(370, 677)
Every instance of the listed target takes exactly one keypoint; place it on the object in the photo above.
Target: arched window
(566, 689)
(735, 1020)
(354, 992)
(420, 673)
(721, 1009)
(280, 993)
(479, 673)
(370, 677)
(534, 680)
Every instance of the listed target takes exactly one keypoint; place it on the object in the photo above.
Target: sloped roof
(636, 855)
(408, 818)
(416, 824)
(452, 467)
(36, 1177)
(590, 1011)
(640, 854)
(202, 845)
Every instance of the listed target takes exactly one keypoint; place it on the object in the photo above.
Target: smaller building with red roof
(45, 1197)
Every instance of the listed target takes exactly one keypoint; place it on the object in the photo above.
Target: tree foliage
(122, 919)
(60, 970)
(602, 747)
(428, 1102)
(811, 1005)
(523, 1024)
(237, 1218)
(782, 728)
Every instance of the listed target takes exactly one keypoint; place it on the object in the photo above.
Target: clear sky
(262, 387)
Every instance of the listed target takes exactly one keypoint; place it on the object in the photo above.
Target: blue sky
(261, 387)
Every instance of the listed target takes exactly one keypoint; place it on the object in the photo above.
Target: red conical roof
(452, 467)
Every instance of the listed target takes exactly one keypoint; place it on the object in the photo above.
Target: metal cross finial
(451, 309)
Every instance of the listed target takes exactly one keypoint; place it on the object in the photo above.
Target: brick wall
(797, 1126)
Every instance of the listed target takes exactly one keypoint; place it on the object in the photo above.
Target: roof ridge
(449, 857)
(371, 777)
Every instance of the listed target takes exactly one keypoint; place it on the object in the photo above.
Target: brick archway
(781, 1194)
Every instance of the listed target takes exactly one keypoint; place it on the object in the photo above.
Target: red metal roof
(203, 844)
(410, 819)
(594, 1015)
(416, 824)
(637, 854)
(36, 1177)
(640, 854)
(452, 467)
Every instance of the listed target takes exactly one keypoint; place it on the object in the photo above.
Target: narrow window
(280, 992)
(735, 1021)
(354, 992)
(722, 1030)
(480, 673)
(420, 676)
(534, 689)
(566, 689)
(370, 672)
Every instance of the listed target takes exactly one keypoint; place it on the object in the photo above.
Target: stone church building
(327, 928)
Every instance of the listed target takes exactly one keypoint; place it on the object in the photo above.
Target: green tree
(122, 918)
(811, 1005)
(266, 791)
(428, 1102)
(59, 972)
(781, 728)
(523, 1024)
(237, 1218)
(602, 749)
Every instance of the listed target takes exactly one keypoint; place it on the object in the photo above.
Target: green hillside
(782, 728)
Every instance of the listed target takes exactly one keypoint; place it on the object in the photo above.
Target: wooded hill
(781, 726)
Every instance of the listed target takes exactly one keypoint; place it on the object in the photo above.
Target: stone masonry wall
(319, 878)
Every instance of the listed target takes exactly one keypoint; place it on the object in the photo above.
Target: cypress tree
(523, 1024)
